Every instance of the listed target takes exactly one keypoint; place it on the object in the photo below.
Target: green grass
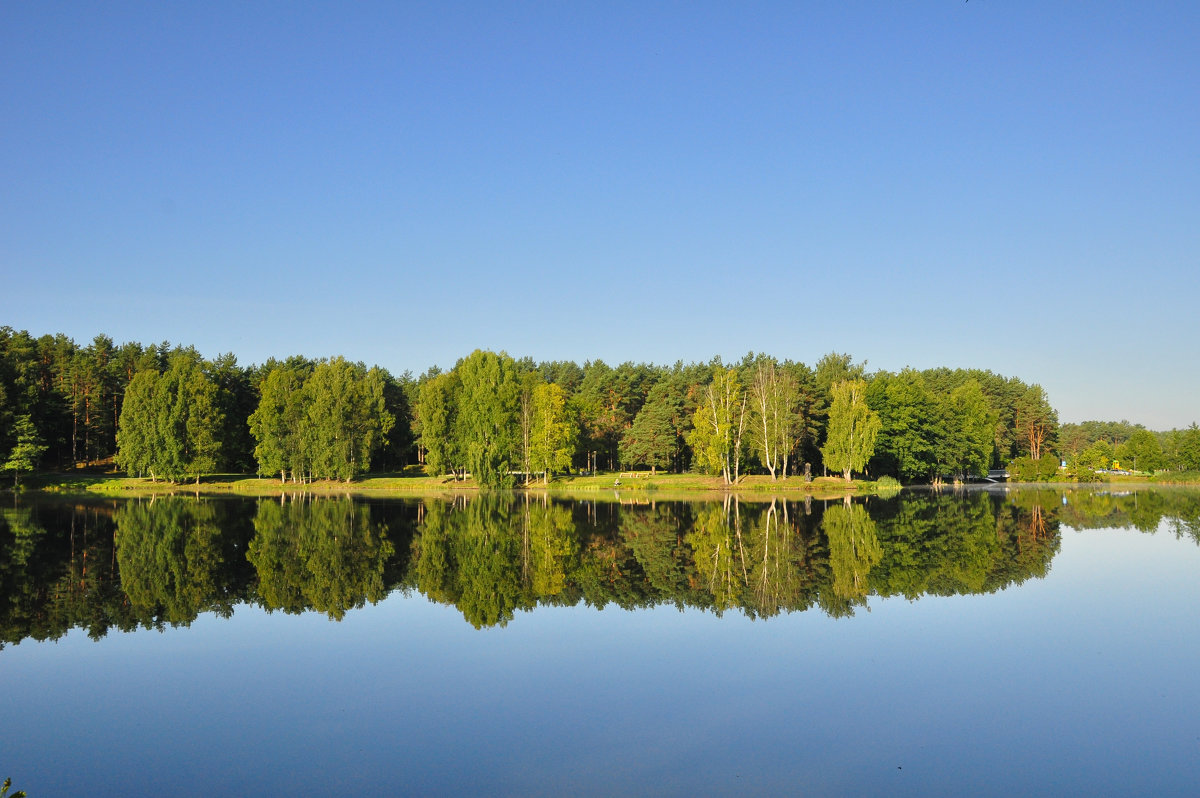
(413, 481)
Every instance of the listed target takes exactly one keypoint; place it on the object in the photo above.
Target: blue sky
(1005, 185)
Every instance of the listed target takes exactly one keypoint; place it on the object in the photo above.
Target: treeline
(1098, 445)
(168, 413)
(494, 416)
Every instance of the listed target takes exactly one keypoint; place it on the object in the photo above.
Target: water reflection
(151, 563)
(172, 555)
(325, 555)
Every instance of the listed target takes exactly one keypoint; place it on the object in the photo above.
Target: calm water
(991, 643)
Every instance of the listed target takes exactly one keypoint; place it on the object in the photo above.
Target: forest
(168, 413)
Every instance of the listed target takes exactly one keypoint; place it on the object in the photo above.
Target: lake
(990, 642)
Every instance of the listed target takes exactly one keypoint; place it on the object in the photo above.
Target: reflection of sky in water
(1081, 683)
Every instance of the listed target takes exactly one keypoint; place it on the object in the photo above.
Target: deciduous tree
(853, 427)
(718, 425)
(553, 430)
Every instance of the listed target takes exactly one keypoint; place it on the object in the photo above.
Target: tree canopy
(168, 413)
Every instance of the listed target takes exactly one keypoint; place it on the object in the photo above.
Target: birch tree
(850, 438)
(774, 395)
(553, 432)
(718, 425)
(437, 407)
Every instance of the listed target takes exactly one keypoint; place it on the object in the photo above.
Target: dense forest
(168, 413)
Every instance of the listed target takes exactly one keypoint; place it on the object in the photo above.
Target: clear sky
(998, 184)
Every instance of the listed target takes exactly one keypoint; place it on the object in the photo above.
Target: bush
(887, 486)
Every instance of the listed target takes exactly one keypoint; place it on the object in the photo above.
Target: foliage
(170, 425)
(910, 425)
(1188, 449)
(278, 424)
(1035, 421)
(1098, 456)
(554, 431)
(168, 413)
(439, 412)
(853, 427)
(328, 555)
(487, 419)
(778, 414)
(346, 420)
(1026, 469)
(968, 424)
(328, 421)
(652, 438)
(717, 425)
(28, 450)
(1141, 452)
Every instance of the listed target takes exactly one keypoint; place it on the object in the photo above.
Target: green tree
(1141, 452)
(853, 427)
(718, 424)
(553, 430)
(1035, 421)
(652, 438)
(774, 398)
(968, 427)
(1189, 448)
(27, 452)
(204, 426)
(837, 367)
(608, 400)
(438, 411)
(488, 415)
(137, 433)
(910, 425)
(1098, 456)
(278, 424)
(171, 422)
(346, 418)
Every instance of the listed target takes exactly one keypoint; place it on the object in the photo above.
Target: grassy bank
(413, 482)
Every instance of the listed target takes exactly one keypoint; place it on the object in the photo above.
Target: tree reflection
(551, 546)
(655, 538)
(853, 549)
(782, 554)
(124, 564)
(719, 555)
(170, 553)
(470, 555)
(321, 554)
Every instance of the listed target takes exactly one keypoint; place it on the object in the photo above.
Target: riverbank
(414, 483)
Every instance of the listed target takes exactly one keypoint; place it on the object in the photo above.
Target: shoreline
(661, 486)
